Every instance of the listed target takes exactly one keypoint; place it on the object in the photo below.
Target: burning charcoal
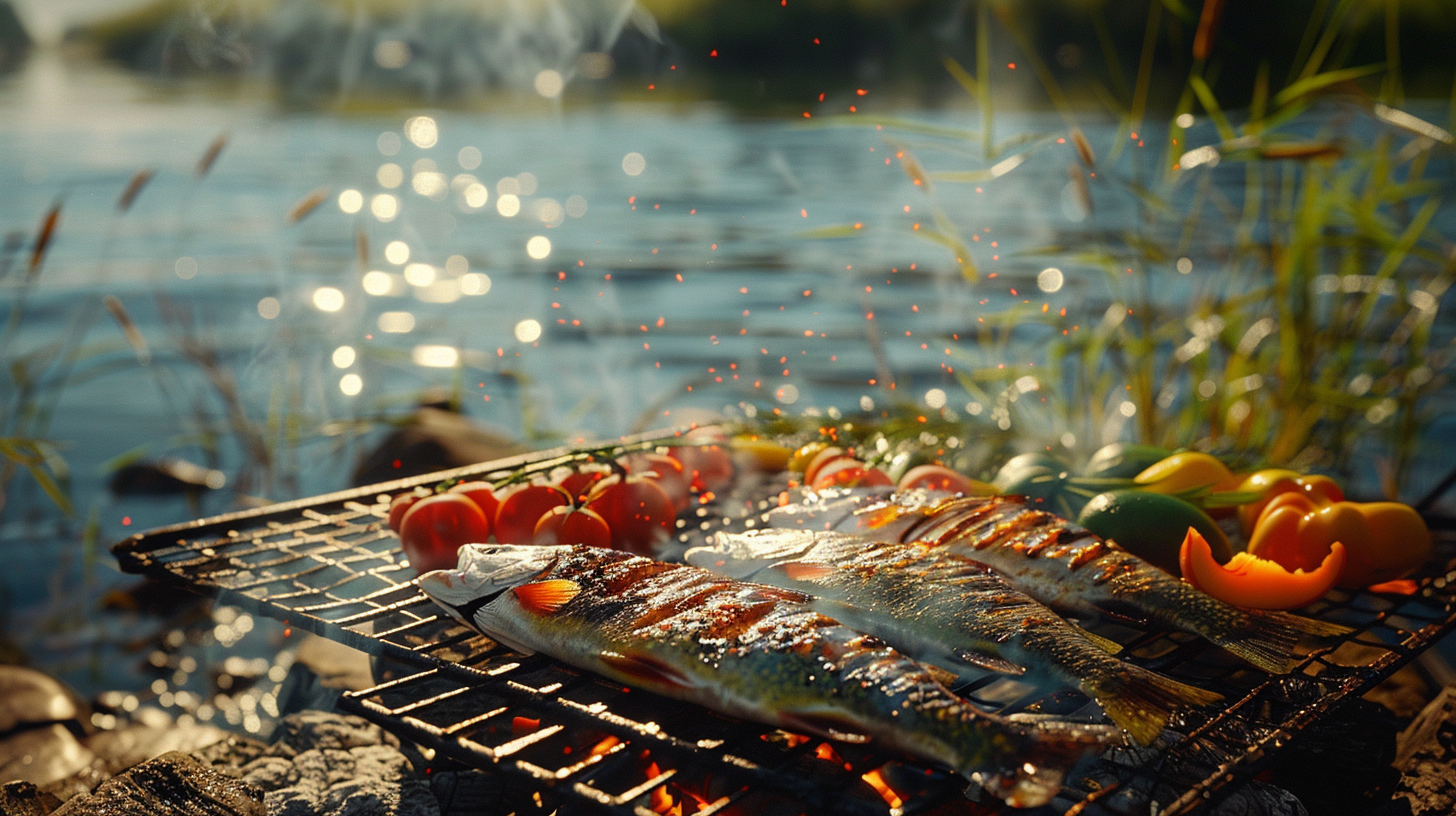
(307, 730)
(1426, 757)
(164, 477)
(173, 783)
(28, 697)
(25, 799)
(42, 755)
(1343, 763)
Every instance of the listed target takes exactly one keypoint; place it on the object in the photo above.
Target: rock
(29, 697)
(164, 477)
(337, 665)
(172, 784)
(308, 730)
(42, 755)
(137, 742)
(25, 799)
(432, 439)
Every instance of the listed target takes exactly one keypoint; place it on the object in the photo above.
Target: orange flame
(604, 746)
(883, 788)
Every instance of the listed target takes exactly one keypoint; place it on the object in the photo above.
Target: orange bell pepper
(1383, 540)
(1274, 482)
(1258, 583)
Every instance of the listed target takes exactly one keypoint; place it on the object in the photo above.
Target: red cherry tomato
(399, 506)
(577, 482)
(572, 525)
(666, 471)
(848, 472)
(436, 526)
(938, 477)
(709, 466)
(515, 520)
(637, 510)
(821, 459)
(482, 494)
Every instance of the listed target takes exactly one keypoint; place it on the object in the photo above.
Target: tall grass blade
(209, 157)
(43, 237)
(133, 189)
(1309, 85)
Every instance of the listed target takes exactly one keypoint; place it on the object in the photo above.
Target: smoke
(423, 51)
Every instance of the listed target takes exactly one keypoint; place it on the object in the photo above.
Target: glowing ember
(883, 789)
(605, 746)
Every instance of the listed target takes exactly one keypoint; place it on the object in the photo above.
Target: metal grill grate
(330, 565)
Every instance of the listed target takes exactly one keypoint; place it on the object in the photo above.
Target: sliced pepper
(1275, 482)
(1383, 540)
(1258, 583)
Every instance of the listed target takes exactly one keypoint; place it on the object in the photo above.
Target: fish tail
(1268, 639)
(1142, 702)
(1048, 749)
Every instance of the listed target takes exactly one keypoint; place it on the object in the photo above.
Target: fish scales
(748, 650)
(1085, 575)
(949, 611)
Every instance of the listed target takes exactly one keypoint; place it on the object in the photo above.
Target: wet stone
(174, 784)
(231, 754)
(137, 742)
(25, 799)
(42, 755)
(29, 697)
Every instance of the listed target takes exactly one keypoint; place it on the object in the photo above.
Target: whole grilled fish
(747, 650)
(944, 609)
(1064, 566)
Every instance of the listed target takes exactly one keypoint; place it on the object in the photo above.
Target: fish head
(484, 573)
(741, 555)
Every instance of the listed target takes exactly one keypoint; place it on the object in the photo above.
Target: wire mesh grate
(330, 565)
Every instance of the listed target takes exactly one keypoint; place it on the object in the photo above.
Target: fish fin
(1142, 702)
(989, 662)
(546, 597)
(648, 671)
(804, 571)
(1108, 645)
(825, 724)
(1268, 639)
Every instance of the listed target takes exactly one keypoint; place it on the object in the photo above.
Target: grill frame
(343, 543)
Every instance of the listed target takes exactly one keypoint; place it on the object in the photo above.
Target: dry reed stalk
(133, 189)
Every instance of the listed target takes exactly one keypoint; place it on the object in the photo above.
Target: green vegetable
(1152, 526)
(1040, 477)
(1124, 460)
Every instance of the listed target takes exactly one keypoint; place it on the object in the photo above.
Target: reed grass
(1307, 336)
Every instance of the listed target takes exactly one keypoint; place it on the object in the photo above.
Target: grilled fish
(948, 610)
(748, 650)
(1065, 567)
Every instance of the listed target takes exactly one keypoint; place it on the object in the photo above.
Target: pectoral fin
(1108, 645)
(545, 597)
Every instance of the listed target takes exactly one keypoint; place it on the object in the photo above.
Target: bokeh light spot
(538, 247)
(328, 299)
(528, 331)
(344, 356)
(633, 164)
(351, 201)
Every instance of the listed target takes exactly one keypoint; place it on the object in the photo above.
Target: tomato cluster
(629, 504)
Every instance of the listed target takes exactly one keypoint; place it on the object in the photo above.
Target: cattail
(307, 204)
(133, 189)
(361, 249)
(1084, 148)
(1301, 150)
(43, 238)
(128, 329)
(1207, 29)
(1079, 183)
(213, 151)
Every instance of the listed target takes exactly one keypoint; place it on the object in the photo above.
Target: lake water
(655, 260)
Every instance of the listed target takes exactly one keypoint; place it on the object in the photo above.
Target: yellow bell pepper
(1187, 471)
(1275, 482)
(1383, 540)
